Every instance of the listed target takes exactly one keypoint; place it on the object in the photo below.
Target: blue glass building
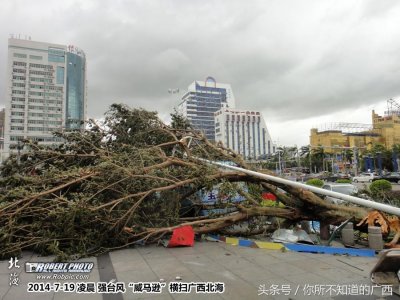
(75, 91)
(202, 100)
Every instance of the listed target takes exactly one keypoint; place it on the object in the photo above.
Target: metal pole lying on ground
(363, 202)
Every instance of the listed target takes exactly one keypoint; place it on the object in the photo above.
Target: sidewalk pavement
(246, 273)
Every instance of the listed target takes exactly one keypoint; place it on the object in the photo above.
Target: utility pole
(19, 153)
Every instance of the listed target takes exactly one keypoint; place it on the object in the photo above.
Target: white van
(343, 188)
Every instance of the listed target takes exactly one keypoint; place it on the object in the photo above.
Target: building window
(36, 57)
(36, 114)
(36, 107)
(40, 66)
(37, 79)
(259, 138)
(17, 113)
(40, 73)
(19, 77)
(36, 129)
(19, 55)
(16, 138)
(17, 128)
(36, 93)
(233, 133)
(17, 106)
(248, 138)
(19, 63)
(19, 71)
(254, 139)
(18, 92)
(60, 75)
(238, 136)
(56, 55)
(243, 141)
(227, 134)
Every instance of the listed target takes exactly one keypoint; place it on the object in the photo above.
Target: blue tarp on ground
(330, 250)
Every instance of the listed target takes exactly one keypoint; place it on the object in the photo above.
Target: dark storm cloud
(290, 59)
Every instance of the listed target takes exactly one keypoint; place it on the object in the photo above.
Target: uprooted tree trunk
(130, 183)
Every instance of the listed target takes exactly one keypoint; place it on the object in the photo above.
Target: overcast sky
(301, 63)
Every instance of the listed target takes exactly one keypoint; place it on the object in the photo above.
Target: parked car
(364, 177)
(391, 177)
(305, 177)
(343, 188)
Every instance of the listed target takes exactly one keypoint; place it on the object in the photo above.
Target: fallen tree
(130, 180)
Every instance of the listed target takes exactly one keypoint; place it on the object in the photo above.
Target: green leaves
(315, 182)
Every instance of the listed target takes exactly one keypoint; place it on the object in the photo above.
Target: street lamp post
(355, 166)
(279, 162)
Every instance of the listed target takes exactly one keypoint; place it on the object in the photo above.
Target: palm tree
(347, 159)
(318, 157)
(348, 155)
(305, 150)
(379, 150)
(305, 153)
(288, 156)
(395, 156)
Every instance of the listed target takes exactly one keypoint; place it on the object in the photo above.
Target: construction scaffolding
(393, 108)
(349, 128)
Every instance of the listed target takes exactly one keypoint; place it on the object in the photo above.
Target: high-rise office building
(202, 100)
(46, 91)
(245, 132)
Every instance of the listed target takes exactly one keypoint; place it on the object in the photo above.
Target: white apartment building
(46, 91)
(245, 132)
(202, 100)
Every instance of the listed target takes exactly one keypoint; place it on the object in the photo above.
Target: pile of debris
(130, 180)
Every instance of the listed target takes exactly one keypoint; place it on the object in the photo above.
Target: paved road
(247, 273)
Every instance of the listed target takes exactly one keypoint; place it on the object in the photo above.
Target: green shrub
(343, 181)
(315, 182)
(380, 188)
